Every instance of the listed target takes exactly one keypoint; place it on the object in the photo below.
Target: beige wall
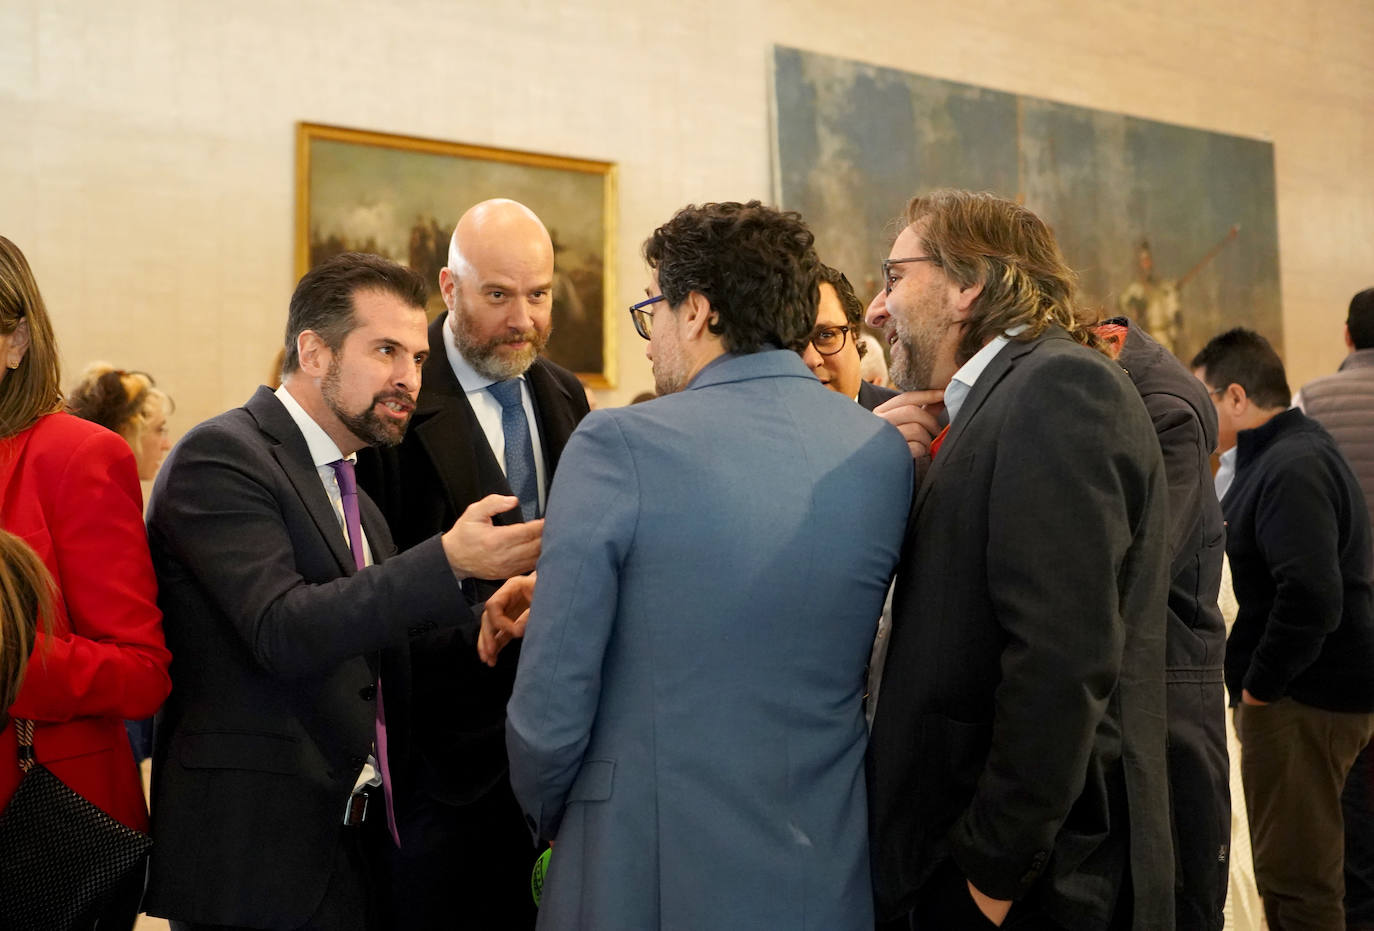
(146, 146)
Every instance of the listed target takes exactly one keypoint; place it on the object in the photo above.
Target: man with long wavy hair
(1017, 767)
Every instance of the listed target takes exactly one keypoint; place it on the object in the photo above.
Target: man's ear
(964, 298)
(18, 345)
(1235, 397)
(1349, 343)
(696, 313)
(448, 283)
(315, 356)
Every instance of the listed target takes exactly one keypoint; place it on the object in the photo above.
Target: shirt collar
(323, 450)
(469, 379)
(961, 385)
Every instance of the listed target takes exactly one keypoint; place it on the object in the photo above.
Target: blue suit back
(687, 717)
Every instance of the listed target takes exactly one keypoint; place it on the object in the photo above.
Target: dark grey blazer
(1185, 422)
(1021, 728)
(277, 640)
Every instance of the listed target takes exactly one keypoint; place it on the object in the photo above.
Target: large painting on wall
(400, 197)
(1176, 227)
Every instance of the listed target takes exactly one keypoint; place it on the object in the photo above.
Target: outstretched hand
(476, 548)
(505, 616)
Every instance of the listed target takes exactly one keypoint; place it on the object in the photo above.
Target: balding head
(498, 287)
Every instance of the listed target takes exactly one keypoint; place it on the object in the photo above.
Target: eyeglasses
(829, 340)
(644, 319)
(888, 263)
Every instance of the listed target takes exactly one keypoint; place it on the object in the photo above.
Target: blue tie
(515, 428)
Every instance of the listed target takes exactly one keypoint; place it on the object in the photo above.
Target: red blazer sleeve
(106, 655)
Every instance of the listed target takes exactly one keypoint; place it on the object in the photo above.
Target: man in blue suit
(687, 722)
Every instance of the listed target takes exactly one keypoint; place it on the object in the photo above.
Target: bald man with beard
(492, 417)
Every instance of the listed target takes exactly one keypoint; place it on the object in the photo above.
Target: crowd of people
(777, 648)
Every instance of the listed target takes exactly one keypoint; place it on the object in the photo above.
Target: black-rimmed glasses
(829, 340)
(644, 319)
(888, 263)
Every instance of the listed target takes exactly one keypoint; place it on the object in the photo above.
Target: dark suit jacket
(276, 640)
(422, 486)
(1021, 727)
(871, 395)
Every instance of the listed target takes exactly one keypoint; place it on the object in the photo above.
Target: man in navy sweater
(1300, 657)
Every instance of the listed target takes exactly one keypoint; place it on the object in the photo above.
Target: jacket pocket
(593, 783)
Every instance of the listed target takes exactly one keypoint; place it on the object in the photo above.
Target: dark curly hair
(756, 266)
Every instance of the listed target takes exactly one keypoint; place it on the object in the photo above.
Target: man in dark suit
(464, 844)
(1017, 767)
(282, 607)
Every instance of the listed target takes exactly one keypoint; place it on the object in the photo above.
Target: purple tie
(348, 491)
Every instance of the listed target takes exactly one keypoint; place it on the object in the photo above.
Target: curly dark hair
(755, 264)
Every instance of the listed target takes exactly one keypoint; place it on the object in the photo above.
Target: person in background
(1300, 656)
(70, 490)
(25, 600)
(874, 367)
(1343, 403)
(1195, 642)
(834, 352)
(130, 404)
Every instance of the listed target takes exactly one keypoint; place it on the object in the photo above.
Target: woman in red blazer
(70, 490)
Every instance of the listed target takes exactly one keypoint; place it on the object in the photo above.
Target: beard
(485, 355)
(366, 426)
(916, 351)
(670, 369)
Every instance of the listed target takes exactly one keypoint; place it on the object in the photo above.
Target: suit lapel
(996, 370)
(553, 413)
(293, 455)
(450, 435)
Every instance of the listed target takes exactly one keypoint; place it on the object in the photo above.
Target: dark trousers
(465, 865)
(352, 899)
(946, 905)
(1357, 808)
(1294, 761)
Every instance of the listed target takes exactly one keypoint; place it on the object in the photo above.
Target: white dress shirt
(488, 409)
(324, 451)
(961, 385)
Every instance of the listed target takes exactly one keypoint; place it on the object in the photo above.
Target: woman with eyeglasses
(69, 489)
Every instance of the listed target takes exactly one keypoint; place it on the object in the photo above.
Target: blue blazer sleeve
(591, 524)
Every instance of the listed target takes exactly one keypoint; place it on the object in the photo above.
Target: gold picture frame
(400, 196)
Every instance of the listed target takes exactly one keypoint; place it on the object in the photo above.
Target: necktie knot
(347, 476)
(507, 393)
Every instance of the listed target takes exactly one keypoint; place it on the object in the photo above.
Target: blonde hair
(26, 603)
(983, 239)
(34, 388)
(123, 401)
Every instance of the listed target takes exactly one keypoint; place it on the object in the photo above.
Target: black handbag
(60, 856)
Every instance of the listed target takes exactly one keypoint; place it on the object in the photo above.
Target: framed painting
(400, 197)
(1174, 226)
